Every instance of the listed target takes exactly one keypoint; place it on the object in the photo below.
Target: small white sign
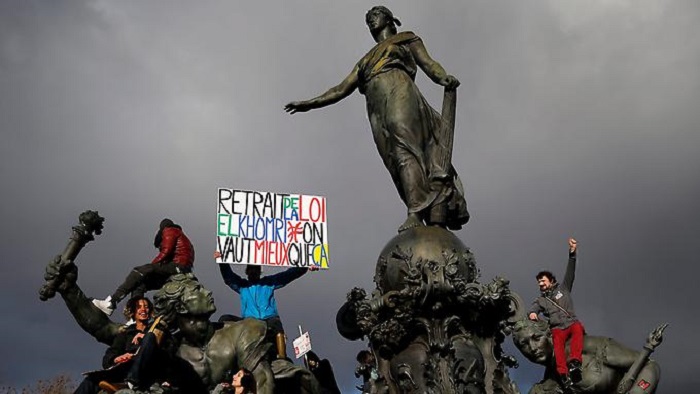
(302, 345)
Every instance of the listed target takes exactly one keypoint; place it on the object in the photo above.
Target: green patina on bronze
(413, 140)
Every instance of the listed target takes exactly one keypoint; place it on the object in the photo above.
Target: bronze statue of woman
(406, 130)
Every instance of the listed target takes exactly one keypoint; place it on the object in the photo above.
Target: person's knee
(143, 269)
(148, 338)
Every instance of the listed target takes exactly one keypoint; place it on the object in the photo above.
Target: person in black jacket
(323, 372)
(135, 356)
(555, 303)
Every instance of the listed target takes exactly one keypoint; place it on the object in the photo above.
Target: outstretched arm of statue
(619, 356)
(62, 275)
(641, 362)
(90, 319)
(430, 67)
(332, 96)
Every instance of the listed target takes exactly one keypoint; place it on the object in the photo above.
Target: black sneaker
(575, 371)
(566, 384)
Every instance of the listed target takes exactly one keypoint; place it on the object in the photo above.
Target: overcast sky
(574, 118)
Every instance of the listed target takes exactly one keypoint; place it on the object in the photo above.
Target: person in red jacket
(176, 256)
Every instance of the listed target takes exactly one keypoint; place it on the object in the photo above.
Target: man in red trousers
(556, 304)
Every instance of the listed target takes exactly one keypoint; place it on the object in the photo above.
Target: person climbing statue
(555, 303)
(258, 296)
(176, 256)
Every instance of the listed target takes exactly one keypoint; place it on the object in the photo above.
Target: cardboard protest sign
(263, 228)
(302, 345)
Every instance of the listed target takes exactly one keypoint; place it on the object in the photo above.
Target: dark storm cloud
(574, 118)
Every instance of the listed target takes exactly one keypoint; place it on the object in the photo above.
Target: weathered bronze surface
(433, 326)
(413, 140)
(608, 366)
(90, 225)
(208, 349)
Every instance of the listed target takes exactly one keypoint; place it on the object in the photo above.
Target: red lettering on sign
(260, 255)
(315, 210)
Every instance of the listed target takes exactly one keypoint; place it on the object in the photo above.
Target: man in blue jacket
(258, 296)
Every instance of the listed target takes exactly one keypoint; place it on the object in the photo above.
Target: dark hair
(165, 223)
(313, 356)
(548, 274)
(526, 325)
(364, 356)
(248, 381)
(253, 270)
(133, 304)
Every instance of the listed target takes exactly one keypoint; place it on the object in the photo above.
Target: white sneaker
(105, 305)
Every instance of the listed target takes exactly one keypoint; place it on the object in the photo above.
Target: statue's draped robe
(405, 128)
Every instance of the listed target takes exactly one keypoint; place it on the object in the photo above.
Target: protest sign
(302, 345)
(272, 229)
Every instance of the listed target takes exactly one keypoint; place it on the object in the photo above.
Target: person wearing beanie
(175, 256)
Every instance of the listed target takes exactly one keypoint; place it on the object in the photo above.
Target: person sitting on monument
(607, 365)
(138, 355)
(555, 303)
(176, 255)
(323, 371)
(258, 296)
